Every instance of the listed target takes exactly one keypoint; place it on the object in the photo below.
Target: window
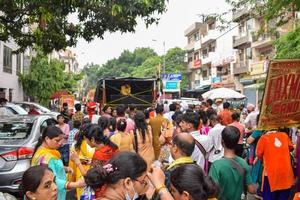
(197, 36)
(7, 59)
(205, 74)
(250, 24)
(18, 63)
(204, 53)
(196, 56)
(249, 53)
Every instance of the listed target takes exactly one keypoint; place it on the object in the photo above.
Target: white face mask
(135, 196)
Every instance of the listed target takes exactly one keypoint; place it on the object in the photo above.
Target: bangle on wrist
(67, 185)
(163, 191)
(159, 188)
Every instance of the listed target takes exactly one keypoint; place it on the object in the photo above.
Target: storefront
(254, 82)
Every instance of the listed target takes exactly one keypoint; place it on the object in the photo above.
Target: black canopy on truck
(141, 92)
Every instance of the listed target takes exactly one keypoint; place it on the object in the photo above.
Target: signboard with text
(171, 77)
(281, 101)
(171, 86)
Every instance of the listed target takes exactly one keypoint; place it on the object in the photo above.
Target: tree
(174, 64)
(44, 78)
(288, 46)
(90, 71)
(50, 28)
(274, 12)
(148, 68)
(70, 82)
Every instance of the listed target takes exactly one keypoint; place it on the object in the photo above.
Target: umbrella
(222, 93)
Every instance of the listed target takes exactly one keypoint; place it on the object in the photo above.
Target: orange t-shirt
(273, 149)
(225, 117)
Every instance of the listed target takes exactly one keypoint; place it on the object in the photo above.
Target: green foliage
(50, 27)
(275, 12)
(43, 79)
(47, 76)
(288, 46)
(142, 62)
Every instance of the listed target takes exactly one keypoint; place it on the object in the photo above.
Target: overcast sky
(179, 16)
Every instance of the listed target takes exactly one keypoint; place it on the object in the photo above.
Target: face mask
(135, 196)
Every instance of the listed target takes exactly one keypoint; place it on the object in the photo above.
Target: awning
(255, 86)
(203, 87)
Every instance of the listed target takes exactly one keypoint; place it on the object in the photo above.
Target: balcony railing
(207, 58)
(241, 67)
(237, 41)
(237, 15)
(211, 36)
(262, 40)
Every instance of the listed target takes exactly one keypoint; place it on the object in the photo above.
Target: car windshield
(15, 130)
(17, 109)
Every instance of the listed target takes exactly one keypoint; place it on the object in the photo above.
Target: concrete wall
(11, 80)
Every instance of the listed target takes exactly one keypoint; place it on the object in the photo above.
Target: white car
(41, 109)
(13, 109)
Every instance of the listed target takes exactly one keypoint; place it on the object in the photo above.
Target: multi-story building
(193, 53)
(69, 58)
(254, 52)
(11, 65)
(209, 55)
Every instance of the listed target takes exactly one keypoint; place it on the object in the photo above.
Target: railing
(210, 36)
(237, 41)
(239, 13)
(241, 67)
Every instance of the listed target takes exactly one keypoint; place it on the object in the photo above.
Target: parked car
(41, 109)
(18, 137)
(13, 109)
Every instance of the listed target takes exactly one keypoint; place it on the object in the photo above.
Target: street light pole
(164, 69)
(164, 65)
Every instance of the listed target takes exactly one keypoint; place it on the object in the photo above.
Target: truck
(138, 92)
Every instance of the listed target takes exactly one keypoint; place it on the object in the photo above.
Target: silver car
(18, 136)
(41, 109)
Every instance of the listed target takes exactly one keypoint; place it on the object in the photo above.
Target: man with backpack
(232, 173)
(190, 124)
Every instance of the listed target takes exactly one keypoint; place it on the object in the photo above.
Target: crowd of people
(203, 152)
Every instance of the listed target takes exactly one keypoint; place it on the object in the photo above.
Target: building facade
(254, 51)
(209, 55)
(11, 65)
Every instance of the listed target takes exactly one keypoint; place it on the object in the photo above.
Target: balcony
(239, 40)
(241, 67)
(258, 67)
(189, 47)
(262, 40)
(208, 58)
(211, 36)
(197, 45)
(239, 14)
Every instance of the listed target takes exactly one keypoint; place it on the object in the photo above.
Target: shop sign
(281, 100)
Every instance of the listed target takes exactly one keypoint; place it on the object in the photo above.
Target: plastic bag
(87, 194)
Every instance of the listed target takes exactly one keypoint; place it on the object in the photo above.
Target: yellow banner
(281, 101)
(257, 68)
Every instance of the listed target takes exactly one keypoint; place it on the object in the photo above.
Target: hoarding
(281, 101)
